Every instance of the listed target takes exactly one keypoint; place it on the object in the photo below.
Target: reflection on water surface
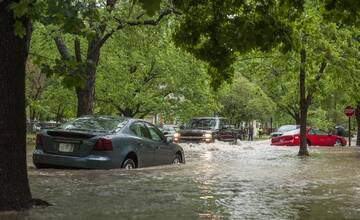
(219, 181)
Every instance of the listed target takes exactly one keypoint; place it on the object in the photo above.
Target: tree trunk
(127, 112)
(303, 151)
(32, 114)
(85, 93)
(14, 191)
(358, 123)
(297, 119)
(85, 96)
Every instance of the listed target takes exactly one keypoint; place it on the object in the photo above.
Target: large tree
(143, 73)
(348, 83)
(15, 33)
(346, 13)
(81, 34)
(14, 190)
(244, 101)
(219, 31)
(274, 72)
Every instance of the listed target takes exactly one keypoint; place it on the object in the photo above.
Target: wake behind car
(206, 129)
(105, 142)
(314, 137)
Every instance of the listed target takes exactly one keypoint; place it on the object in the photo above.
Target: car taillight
(103, 144)
(39, 140)
(296, 137)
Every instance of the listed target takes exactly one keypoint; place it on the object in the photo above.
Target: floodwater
(252, 180)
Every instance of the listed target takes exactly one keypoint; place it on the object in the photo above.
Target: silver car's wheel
(177, 159)
(128, 164)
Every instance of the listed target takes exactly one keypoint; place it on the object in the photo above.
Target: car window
(319, 132)
(200, 123)
(293, 132)
(311, 131)
(169, 129)
(155, 134)
(95, 123)
(139, 130)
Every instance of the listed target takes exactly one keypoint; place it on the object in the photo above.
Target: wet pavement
(252, 180)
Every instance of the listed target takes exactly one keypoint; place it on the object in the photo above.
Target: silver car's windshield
(97, 124)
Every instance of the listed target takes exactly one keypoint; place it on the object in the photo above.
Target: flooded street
(219, 181)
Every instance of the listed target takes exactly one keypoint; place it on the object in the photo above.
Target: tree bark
(85, 93)
(14, 191)
(297, 119)
(357, 114)
(303, 151)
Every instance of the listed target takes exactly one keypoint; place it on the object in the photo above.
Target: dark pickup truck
(206, 129)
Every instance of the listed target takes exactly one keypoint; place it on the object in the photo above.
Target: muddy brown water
(219, 181)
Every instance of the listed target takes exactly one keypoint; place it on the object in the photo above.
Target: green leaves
(343, 12)
(245, 101)
(25, 8)
(66, 14)
(20, 30)
(143, 72)
(217, 31)
(21, 8)
(150, 6)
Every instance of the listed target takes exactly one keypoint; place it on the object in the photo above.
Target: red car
(313, 136)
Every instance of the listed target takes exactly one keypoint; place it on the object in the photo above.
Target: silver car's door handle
(140, 143)
(157, 147)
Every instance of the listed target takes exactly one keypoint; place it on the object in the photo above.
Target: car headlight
(176, 135)
(208, 136)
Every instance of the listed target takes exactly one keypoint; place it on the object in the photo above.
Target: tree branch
(110, 4)
(62, 48)
(145, 113)
(310, 95)
(321, 71)
(77, 48)
(137, 108)
(150, 74)
(152, 22)
(113, 103)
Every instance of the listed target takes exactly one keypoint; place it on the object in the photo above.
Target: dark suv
(206, 129)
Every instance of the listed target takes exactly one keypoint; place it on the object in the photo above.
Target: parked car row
(106, 142)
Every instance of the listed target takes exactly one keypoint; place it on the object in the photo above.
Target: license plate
(65, 147)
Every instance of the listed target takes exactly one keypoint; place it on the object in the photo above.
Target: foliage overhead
(343, 12)
(245, 101)
(154, 77)
(217, 31)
